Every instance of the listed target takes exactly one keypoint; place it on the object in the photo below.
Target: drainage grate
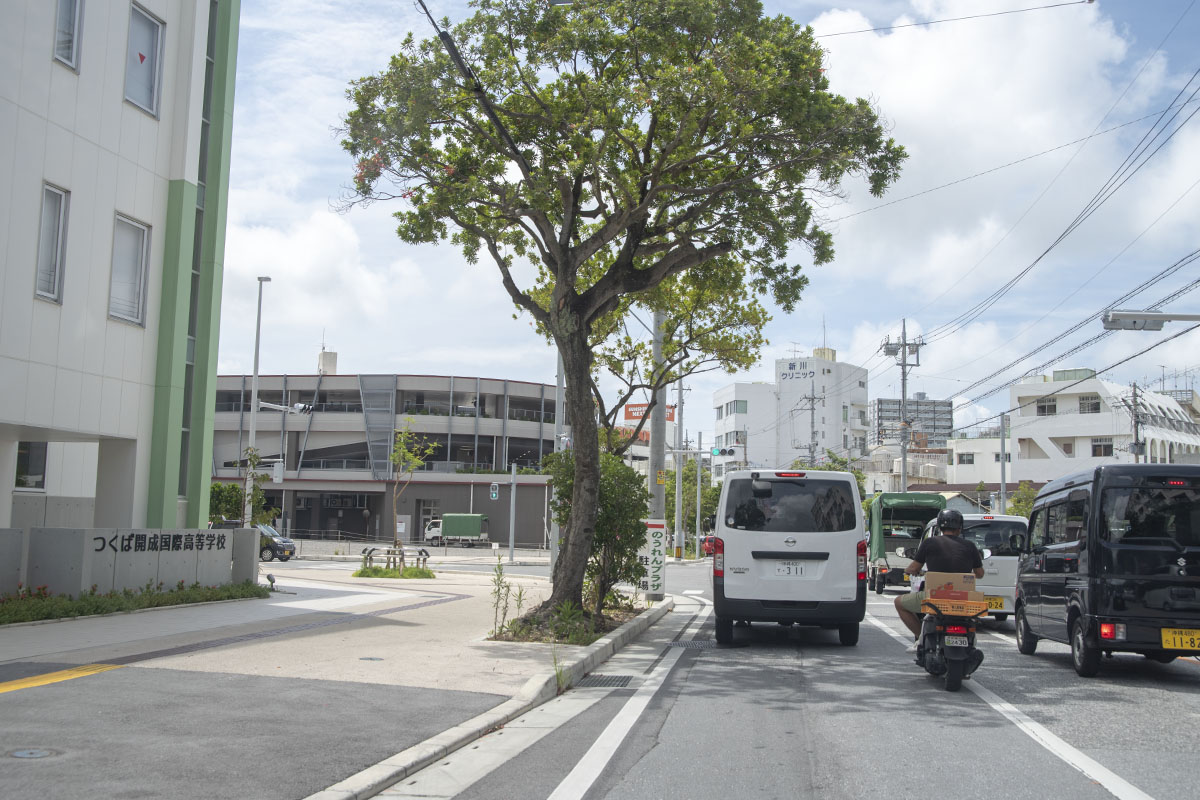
(696, 644)
(604, 680)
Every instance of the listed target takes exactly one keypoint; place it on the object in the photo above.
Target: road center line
(588, 769)
(56, 677)
(1112, 782)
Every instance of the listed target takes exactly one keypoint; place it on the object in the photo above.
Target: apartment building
(1072, 420)
(115, 122)
(816, 403)
(931, 421)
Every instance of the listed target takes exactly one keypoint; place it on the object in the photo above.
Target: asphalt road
(788, 712)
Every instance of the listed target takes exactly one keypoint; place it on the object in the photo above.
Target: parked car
(706, 545)
(272, 544)
(789, 548)
(1112, 565)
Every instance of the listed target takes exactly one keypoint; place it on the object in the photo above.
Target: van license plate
(995, 602)
(1181, 638)
(956, 641)
(789, 569)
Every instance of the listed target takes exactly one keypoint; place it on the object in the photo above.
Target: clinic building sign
(653, 557)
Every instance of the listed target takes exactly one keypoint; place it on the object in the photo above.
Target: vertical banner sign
(653, 556)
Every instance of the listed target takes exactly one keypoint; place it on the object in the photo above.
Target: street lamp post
(247, 506)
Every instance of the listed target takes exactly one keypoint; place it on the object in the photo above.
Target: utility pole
(678, 459)
(658, 426)
(901, 351)
(1137, 445)
(811, 399)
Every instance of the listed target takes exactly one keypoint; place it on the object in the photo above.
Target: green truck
(897, 519)
(464, 529)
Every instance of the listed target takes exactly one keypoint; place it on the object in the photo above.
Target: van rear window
(1152, 515)
(995, 535)
(791, 505)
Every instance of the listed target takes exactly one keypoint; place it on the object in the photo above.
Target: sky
(1049, 103)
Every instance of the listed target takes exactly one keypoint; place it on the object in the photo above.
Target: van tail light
(1112, 631)
(718, 548)
(862, 560)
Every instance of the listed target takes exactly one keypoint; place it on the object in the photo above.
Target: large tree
(613, 145)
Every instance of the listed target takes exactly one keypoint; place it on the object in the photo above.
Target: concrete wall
(72, 561)
(38, 510)
(12, 559)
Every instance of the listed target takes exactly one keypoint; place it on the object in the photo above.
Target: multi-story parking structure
(338, 476)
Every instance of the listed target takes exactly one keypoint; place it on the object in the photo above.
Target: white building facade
(115, 125)
(815, 404)
(1070, 422)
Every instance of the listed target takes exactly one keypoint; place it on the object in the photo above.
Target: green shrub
(28, 605)
(385, 572)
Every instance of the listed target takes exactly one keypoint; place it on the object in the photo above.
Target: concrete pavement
(407, 664)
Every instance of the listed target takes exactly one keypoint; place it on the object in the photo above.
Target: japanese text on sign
(159, 542)
(653, 557)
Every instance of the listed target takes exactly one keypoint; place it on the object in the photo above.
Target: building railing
(531, 415)
(335, 463)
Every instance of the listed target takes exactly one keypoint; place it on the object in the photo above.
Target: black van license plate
(1181, 638)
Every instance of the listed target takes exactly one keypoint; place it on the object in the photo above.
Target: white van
(789, 548)
(1004, 536)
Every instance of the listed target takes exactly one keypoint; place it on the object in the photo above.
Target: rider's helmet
(949, 518)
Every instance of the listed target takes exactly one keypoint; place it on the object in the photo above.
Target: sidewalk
(321, 550)
(417, 649)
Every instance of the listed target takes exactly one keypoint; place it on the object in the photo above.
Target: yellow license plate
(1181, 638)
(994, 602)
(907, 577)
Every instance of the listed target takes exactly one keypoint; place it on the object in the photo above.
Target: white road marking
(693, 591)
(1113, 783)
(588, 769)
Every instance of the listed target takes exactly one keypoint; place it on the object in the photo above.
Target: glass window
(966, 458)
(31, 465)
(720, 412)
(790, 504)
(1089, 404)
(1037, 528)
(994, 534)
(52, 243)
(1102, 446)
(1047, 407)
(1153, 516)
(142, 60)
(130, 241)
(66, 32)
(1007, 458)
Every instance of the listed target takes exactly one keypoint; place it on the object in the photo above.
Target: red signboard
(635, 411)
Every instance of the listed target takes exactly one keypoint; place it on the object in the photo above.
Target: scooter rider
(946, 553)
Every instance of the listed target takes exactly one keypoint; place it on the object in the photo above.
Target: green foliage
(260, 513)
(225, 501)
(672, 155)
(620, 530)
(27, 605)
(409, 453)
(835, 463)
(392, 572)
(709, 496)
(1021, 502)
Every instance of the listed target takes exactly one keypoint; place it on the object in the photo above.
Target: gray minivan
(788, 547)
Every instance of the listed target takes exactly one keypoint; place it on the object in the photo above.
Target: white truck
(466, 530)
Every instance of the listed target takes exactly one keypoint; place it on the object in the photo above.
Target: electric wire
(952, 19)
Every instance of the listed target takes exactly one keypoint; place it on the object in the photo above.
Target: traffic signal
(495, 490)
(723, 451)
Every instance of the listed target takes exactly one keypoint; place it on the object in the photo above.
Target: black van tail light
(718, 546)
(1112, 631)
(862, 560)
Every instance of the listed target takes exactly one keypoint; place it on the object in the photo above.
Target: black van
(1112, 564)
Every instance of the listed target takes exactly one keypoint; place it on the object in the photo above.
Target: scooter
(947, 643)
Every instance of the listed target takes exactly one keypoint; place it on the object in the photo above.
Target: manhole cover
(31, 752)
(696, 644)
(605, 680)
(370, 658)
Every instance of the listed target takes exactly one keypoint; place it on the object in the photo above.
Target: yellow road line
(56, 677)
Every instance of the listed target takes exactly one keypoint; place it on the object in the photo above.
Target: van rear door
(791, 536)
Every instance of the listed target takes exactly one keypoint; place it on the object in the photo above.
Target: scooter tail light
(862, 560)
(956, 629)
(718, 547)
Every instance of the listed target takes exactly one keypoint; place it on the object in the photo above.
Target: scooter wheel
(954, 676)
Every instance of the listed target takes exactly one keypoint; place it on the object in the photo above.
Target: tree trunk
(581, 526)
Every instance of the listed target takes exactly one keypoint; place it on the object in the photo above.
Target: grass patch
(568, 623)
(384, 572)
(37, 604)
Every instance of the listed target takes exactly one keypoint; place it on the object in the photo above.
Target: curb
(537, 690)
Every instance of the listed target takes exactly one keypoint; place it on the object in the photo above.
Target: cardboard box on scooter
(951, 586)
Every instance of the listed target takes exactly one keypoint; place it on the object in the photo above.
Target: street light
(1117, 320)
(247, 504)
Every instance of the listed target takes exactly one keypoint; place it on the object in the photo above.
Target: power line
(952, 19)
